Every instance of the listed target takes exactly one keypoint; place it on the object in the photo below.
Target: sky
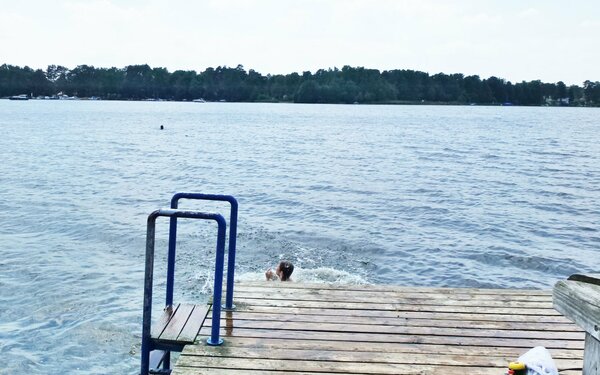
(515, 40)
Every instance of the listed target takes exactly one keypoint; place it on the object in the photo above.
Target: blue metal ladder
(150, 345)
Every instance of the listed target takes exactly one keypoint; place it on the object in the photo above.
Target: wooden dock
(291, 328)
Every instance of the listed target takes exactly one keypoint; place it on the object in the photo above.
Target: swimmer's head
(284, 270)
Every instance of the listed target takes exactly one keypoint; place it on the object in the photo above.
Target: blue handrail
(233, 216)
(149, 275)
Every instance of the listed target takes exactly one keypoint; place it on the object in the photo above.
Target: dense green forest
(346, 85)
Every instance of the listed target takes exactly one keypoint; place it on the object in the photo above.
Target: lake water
(408, 195)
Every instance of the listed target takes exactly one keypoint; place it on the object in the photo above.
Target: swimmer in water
(283, 271)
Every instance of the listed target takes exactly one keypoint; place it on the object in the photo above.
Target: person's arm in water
(270, 275)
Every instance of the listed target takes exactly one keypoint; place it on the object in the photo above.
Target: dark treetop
(346, 85)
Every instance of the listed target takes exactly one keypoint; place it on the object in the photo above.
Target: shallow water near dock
(505, 197)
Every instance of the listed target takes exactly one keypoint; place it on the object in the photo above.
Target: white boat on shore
(19, 97)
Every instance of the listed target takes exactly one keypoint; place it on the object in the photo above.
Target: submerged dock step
(283, 328)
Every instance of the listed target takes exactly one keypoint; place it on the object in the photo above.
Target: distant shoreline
(348, 85)
(396, 102)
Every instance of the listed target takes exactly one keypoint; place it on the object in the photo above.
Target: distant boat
(67, 97)
(199, 100)
(19, 97)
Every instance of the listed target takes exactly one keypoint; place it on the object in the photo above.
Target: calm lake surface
(408, 195)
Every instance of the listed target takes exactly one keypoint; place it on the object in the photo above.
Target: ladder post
(231, 256)
(233, 219)
(147, 344)
(214, 339)
(148, 278)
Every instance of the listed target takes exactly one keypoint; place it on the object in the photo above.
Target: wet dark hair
(286, 269)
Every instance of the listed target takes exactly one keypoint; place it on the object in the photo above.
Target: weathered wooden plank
(591, 358)
(176, 323)
(268, 292)
(420, 321)
(392, 288)
(192, 327)
(319, 366)
(580, 302)
(467, 315)
(391, 338)
(284, 353)
(159, 326)
(331, 367)
(402, 330)
(405, 348)
(230, 371)
(374, 299)
(392, 306)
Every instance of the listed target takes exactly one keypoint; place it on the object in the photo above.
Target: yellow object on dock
(292, 328)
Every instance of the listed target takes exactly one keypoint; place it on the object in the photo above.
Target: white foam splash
(311, 275)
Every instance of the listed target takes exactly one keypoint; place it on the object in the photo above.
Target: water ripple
(410, 195)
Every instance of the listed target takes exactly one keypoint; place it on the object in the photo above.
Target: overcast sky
(516, 40)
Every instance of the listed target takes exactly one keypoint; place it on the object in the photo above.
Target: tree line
(346, 85)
